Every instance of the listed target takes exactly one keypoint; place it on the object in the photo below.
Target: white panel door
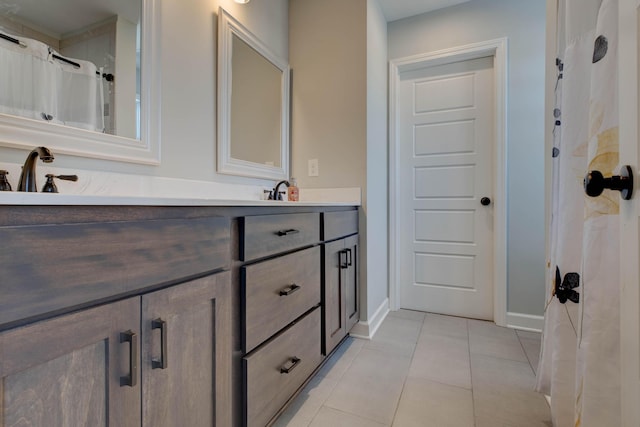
(628, 55)
(446, 144)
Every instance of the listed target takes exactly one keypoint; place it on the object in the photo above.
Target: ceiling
(58, 17)
(398, 9)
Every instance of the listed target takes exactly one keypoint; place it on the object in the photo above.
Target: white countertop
(19, 198)
(113, 189)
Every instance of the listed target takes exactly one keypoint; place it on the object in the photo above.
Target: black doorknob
(485, 201)
(595, 183)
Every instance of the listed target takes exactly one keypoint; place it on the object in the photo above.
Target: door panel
(67, 371)
(333, 294)
(193, 388)
(445, 138)
(446, 145)
(444, 93)
(352, 290)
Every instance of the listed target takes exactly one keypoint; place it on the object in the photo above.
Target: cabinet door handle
(132, 338)
(162, 362)
(287, 232)
(349, 259)
(286, 369)
(344, 264)
(289, 290)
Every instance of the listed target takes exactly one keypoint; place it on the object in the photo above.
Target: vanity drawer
(276, 292)
(264, 235)
(53, 267)
(339, 224)
(268, 385)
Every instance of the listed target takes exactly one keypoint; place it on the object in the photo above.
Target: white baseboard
(367, 330)
(525, 322)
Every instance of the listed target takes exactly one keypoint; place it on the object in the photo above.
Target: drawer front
(52, 267)
(264, 235)
(339, 224)
(278, 291)
(267, 385)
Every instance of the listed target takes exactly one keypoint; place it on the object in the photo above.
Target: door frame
(628, 76)
(498, 49)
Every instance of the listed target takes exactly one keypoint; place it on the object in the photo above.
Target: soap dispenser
(292, 191)
(4, 183)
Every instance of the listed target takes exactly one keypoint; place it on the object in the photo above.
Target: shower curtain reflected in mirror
(38, 83)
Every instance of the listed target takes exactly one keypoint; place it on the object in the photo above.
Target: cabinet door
(335, 262)
(352, 280)
(186, 355)
(73, 370)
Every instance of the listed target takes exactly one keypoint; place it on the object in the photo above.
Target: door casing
(498, 49)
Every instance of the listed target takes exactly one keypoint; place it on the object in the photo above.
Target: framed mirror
(81, 77)
(253, 104)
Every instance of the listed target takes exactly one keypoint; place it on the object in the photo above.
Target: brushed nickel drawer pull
(289, 290)
(286, 369)
(287, 232)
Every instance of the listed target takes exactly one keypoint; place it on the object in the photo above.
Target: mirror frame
(228, 26)
(21, 132)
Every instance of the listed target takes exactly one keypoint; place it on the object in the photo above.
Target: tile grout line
(322, 405)
(526, 355)
(473, 401)
(404, 383)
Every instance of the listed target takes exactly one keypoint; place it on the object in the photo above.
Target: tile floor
(426, 370)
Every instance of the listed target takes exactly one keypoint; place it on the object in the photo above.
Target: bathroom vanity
(157, 315)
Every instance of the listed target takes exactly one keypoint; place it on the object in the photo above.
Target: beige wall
(338, 53)
(327, 53)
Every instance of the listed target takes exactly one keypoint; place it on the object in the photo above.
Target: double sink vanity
(166, 311)
(214, 313)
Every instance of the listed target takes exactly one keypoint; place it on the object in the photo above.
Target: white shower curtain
(36, 85)
(579, 361)
(27, 83)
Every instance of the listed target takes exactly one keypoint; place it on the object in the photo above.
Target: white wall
(376, 221)
(188, 74)
(523, 23)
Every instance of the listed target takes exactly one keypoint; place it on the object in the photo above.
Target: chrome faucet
(276, 194)
(27, 180)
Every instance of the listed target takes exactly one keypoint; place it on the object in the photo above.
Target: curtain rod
(12, 40)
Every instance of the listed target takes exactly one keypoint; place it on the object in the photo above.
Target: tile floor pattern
(426, 370)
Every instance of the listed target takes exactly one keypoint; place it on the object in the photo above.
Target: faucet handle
(73, 178)
(4, 183)
(50, 186)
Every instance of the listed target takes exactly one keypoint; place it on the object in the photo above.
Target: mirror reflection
(256, 95)
(60, 62)
(253, 104)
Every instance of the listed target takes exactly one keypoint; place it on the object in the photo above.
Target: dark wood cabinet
(165, 316)
(79, 369)
(352, 280)
(169, 360)
(341, 290)
(186, 354)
